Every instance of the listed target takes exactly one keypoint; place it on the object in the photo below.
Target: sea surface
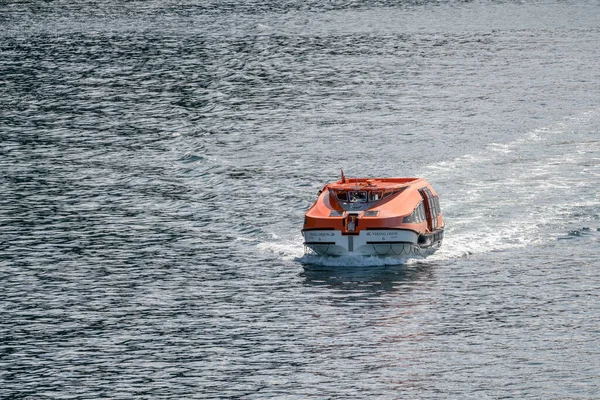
(157, 159)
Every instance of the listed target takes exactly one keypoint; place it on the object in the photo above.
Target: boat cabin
(361, 198)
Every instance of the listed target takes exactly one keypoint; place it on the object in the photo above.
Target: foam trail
(286, 249)
(513, 195)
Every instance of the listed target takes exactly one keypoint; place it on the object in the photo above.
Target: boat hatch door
(352, 222)
(429, 209)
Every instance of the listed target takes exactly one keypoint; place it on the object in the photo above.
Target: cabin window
(363, 196)
(342, 196)
(421, 212)
(417, 216)
(435, 206)
(375, 196)
(357, 197)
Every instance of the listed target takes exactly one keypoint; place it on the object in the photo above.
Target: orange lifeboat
(397, 217)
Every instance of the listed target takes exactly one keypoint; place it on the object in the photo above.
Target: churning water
(157, 158)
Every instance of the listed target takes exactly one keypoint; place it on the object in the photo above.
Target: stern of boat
(380, 242)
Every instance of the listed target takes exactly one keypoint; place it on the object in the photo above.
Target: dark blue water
(157, 158)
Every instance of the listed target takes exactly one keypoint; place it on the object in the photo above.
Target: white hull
(399, 243)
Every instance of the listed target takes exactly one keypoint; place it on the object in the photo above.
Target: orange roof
(371, 183)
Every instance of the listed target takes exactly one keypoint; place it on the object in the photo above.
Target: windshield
(357, 197)
(357, 200)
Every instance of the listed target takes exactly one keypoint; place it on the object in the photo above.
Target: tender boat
(392, 217)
